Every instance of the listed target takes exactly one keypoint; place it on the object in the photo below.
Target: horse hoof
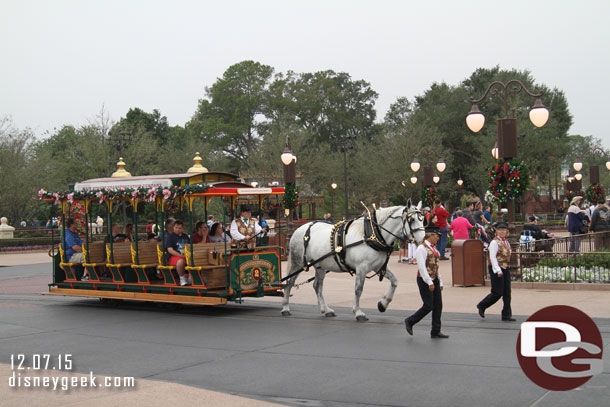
(361, 318)
(330, 314)
(286, 313)
(380, 307)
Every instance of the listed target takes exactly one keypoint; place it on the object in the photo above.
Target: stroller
(485, 234)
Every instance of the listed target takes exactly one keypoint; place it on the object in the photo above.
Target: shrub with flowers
(508, 179)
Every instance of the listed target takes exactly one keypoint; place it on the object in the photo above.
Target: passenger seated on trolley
(117, 236)
(73, 243)
(176, 241)
(201, 233)
(245, 228)
(217, 235)
(129, 231)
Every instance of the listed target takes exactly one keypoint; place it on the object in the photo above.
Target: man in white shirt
(499, 273)
(429, 283)
(244, 228)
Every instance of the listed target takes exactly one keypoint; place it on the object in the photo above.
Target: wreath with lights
(428, 196)
(508, 179)
(291, 196)
(595, 194)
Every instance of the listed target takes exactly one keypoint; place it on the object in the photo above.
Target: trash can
(468, 263)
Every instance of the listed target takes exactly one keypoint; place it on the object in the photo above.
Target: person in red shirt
(441, 222)
(460, 226)
(201, 233)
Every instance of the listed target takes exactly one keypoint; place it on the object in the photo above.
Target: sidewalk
(339, 291)
(18, 259)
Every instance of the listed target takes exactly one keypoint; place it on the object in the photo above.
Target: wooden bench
(95, 259)
(144, 261)
(120, 261)
(168, 272)
(207, 265)
(71, 270)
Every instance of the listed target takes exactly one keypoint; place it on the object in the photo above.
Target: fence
(575, 259)
(562, 267)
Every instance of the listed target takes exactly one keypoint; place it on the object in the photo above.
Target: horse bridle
(410, 218)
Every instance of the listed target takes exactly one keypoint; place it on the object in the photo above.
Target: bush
(23, 242)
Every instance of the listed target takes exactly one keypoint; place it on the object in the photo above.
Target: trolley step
(122, 295)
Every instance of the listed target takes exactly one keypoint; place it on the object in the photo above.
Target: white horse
(394, 222)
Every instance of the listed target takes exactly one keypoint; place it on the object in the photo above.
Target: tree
(137, 120)
(230, 117)
(17, 183)
(330, 105)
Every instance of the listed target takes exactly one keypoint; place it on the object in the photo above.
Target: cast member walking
(499, 259)
(429, 283)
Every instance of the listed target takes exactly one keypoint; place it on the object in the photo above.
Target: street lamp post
(430, 178)
(346, 142)
(507, 126)
(333, 186)
(289, 160)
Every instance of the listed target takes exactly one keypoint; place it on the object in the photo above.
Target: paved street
(251, 353)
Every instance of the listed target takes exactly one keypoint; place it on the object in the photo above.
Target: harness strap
(306, 239)
(337, 240)
(319, 259)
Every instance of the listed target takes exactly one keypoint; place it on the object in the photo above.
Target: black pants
(433, 301)
(500, 288)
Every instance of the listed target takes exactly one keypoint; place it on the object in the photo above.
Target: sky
(63, 61)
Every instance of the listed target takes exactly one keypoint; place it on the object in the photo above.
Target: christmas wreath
(508, 179)
(595, 194)
(268, 205)
(428, 196)
(291, 196)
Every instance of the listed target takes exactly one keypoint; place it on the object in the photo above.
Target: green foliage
(18, 175)
(229, 120)
(291, 196)
(428, 196)
(241, 123)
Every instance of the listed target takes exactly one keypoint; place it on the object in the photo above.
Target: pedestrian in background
(576, 226)
(441, 223)
(460, 226)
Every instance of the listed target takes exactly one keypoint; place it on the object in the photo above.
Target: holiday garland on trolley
(595, 194)
(147, 194)
(508, 179)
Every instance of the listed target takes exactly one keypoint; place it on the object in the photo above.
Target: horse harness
(372, 237)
